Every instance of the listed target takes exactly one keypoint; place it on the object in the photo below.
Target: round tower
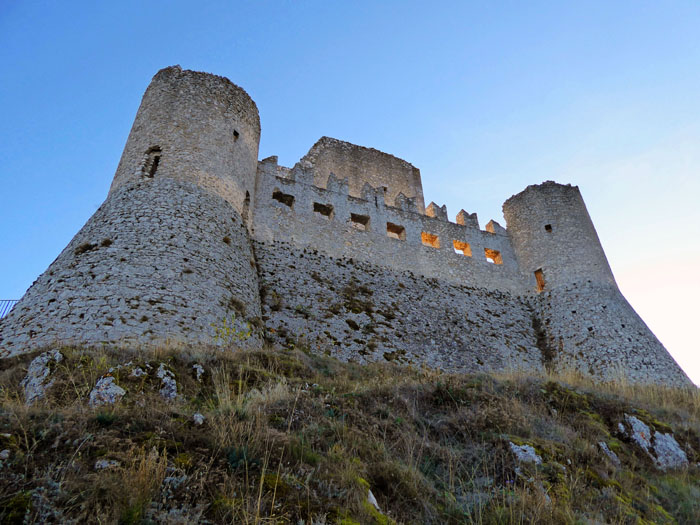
(195, 127)
(553, 237)
(167, 257)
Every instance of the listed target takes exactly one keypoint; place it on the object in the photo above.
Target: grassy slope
(290, 436)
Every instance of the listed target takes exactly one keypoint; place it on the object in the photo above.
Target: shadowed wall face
(551, 231)
(362, 166)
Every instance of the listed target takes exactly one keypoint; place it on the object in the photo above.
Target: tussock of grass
(295, 438)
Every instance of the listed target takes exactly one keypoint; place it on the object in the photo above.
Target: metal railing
(6, 305)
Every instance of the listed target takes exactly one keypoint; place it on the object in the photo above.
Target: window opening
(325, 210)
(493, 256)
(395, 231)
(462, 247)
(430, 239)
(246, 207)
(539, 276)
(287, 200)
(361, 222)
(152, 161)
(235, 135)
(548, 228)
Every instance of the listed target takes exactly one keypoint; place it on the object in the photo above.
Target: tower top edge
(545, 186)
(176, 72)
(325, 141)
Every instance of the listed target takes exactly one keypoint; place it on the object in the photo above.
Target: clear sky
(484, 97)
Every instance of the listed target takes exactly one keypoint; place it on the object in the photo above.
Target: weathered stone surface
(168, 387)
(167, 274)
(38, 380)
(609, 453)
(106, 392)
(662, 448)
(525, 453)
(137, 371)
(361, 312)
(372, 500)
(102, 464)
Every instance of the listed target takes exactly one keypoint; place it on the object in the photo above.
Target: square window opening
(287, 200)
(430, 239)
(548, 228)
(493, 256)
(325, 210)
(395, 231)
(539, 277)
(462, 247)
(361, 222)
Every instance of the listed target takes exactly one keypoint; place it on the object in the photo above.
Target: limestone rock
(663, 449)
(168, 387)
(525, 453)
(611, 455)
(101, 464)
(198, 372)
(137, 372)
(106, 392)
(198, 419)
(37, 380)
(373, 501)
(668, 453)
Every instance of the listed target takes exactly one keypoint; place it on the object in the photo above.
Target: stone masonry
(199, 243)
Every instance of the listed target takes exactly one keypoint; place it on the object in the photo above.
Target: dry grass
(296, 438)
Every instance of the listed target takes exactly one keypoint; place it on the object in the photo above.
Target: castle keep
(339, 253)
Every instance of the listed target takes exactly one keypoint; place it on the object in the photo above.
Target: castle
(198, 242)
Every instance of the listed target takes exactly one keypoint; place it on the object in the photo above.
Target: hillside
(283, 436)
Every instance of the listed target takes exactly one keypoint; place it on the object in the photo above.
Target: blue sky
(484, 97)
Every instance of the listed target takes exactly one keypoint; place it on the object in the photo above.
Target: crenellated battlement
(292, 206)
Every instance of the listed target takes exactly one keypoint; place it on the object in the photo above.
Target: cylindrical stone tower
(552, 234)
(586, 322)
(206, 131)
(167, 257)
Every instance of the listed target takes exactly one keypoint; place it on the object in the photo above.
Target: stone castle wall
(360, 166)
(207, 129)
(355, 310)
(592, 328)
(551, 230)
(340, 254)
(338, 234)
(159, 262)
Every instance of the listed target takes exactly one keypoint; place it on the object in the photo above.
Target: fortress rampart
(293, 209)
(338, 253)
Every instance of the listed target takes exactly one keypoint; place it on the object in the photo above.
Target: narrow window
(395, 231)
(150, 166)
(539, 276)
(325, 210)
(246, 207)
(548, 228)
(287, 200)
(235, 135)
(462, 247)
(430, 239)
(361, 222)
(493, 256)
